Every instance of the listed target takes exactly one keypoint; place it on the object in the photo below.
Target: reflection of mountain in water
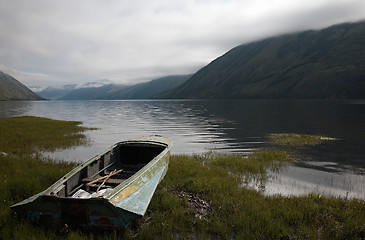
(228, 126)
(225, 125)
(255, 119)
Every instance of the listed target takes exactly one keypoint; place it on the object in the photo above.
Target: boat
(109, 190)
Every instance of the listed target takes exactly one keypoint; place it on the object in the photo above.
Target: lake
(230, 126)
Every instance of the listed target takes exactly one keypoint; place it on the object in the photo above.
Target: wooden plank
(110, 174)
(110, 180)
(102, 178)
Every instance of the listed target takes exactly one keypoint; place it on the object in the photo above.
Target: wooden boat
(107, 191)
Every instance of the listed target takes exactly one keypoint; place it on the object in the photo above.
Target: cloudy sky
(48, 43)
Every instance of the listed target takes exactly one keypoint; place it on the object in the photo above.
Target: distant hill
(325, 64)
(150, 89)
(12, 89)
(54, 92)
(109, 91)
(90, 93)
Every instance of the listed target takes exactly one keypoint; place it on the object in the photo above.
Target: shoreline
(200, 197)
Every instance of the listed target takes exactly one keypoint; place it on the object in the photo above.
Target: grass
(27, 135)
(238, 212)
(202, 196)
(297, 140)
(24, 172)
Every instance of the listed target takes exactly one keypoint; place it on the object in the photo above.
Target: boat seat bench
(110, 180)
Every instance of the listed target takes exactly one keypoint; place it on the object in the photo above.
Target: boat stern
(81, 213)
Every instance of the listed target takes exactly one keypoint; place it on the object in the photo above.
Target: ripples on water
(232, 126)
(189, 124)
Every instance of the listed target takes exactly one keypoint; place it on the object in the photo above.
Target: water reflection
(14, 108)
(192, 127)
(198, 126)
(316, 177)
(237, 126)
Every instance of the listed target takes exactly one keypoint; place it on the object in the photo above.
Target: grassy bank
(29, 135)
(202, 196)
(240, 213)
(24, 172)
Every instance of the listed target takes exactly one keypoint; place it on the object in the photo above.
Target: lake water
(232, 126)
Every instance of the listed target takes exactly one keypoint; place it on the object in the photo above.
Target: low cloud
(46, 42)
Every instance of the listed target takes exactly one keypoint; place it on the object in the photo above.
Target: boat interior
(108, 171)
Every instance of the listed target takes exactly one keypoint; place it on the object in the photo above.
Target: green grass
(24, 171)
(27, 135)
(297, 140)
(202, 196)
(22, 177)
(240, 213)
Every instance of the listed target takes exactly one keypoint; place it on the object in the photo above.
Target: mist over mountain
(54, 92)
(110, 91)
(12, 89)
(324, 64)
(151, 89)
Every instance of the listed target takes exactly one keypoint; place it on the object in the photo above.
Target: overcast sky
(47, 43)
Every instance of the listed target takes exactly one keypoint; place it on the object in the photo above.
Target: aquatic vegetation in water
(30, 135)
(297, 140)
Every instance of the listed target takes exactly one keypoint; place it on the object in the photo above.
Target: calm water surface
(237, 126)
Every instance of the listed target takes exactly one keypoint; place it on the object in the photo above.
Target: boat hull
(83, 213)
(117, 208)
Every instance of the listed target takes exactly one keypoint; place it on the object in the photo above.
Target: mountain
(324, 64)
(150, 89)
(109, 91)
(54, 92)
(12, 89)
(91, 92)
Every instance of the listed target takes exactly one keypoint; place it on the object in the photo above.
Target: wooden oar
(110, 174)
(101, 178)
